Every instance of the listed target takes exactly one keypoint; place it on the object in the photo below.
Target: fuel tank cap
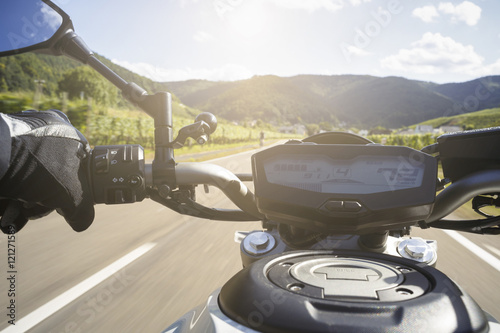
(333, 277)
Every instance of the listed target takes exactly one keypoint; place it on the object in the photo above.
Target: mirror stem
(158, 106)
(73, 46)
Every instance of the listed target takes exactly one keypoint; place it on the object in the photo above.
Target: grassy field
(473, 120)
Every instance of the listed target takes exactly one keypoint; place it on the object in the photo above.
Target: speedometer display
(344, 188)
(361, 174)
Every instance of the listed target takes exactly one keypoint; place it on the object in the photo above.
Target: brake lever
(481, 201)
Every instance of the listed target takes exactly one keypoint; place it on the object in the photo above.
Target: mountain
(479, 94)
(19, 72)
(358, 100)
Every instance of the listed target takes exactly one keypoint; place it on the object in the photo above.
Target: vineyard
(107, 125)
(105, 130)
(415, 141)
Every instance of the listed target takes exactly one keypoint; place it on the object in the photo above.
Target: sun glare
(248, 21)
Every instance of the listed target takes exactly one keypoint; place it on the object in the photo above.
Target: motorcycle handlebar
(447, 201)
(119, 174)
(463, 190)
(225, 180)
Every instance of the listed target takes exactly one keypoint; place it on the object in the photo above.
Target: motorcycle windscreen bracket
(344, 188)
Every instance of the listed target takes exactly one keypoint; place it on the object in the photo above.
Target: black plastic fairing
(464, 153)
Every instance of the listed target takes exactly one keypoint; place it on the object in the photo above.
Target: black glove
(47, 171)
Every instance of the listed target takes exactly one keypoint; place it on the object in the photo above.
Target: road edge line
(476, 249)
(51, 307)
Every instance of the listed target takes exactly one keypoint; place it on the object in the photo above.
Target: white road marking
(492, 249)
(482, 254)
(46, 310)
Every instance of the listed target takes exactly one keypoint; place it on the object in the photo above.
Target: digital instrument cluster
(344, 188)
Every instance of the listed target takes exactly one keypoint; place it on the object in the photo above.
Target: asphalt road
(182, 261)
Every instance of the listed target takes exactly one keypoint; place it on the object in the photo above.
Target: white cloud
(491, 69)
(433, 54)
(426, 13)
(466, 11)
(184, 3)
(357, 51)
(203, 37)
(311, 5)
(358, 2)
(351, 50)
(228, 72)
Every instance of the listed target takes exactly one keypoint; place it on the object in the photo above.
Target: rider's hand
(47, 171)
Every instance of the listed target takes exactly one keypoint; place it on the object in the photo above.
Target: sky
(225, 40)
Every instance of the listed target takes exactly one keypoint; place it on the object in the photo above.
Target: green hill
(391, 102)
(473, 95)
(352, 100)
(357, 100)
(19, 72)
(473, 120)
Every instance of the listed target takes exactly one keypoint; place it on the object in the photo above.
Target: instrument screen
(344, 188)
(363, 174)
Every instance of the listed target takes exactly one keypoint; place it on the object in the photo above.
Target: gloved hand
(47, 171)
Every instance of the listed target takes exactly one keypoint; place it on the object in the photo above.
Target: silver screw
(258, 243)
(259, 240)
(415, 248)
(296, 287)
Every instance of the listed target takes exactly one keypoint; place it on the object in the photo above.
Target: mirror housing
(32, 26)
(59, 38)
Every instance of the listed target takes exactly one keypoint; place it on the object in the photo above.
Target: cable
(489, 226)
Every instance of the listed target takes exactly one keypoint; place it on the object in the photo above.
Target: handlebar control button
(118, 173)
(335, 206)
(101, 163)
(127, 154)
(339, 206)
(352, 206)
(119, 197)
(135, 181)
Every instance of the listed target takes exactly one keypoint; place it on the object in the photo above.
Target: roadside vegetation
(415, 141)
(468, 121)
(106, 125)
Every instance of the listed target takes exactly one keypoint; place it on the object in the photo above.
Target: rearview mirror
(29, 25)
